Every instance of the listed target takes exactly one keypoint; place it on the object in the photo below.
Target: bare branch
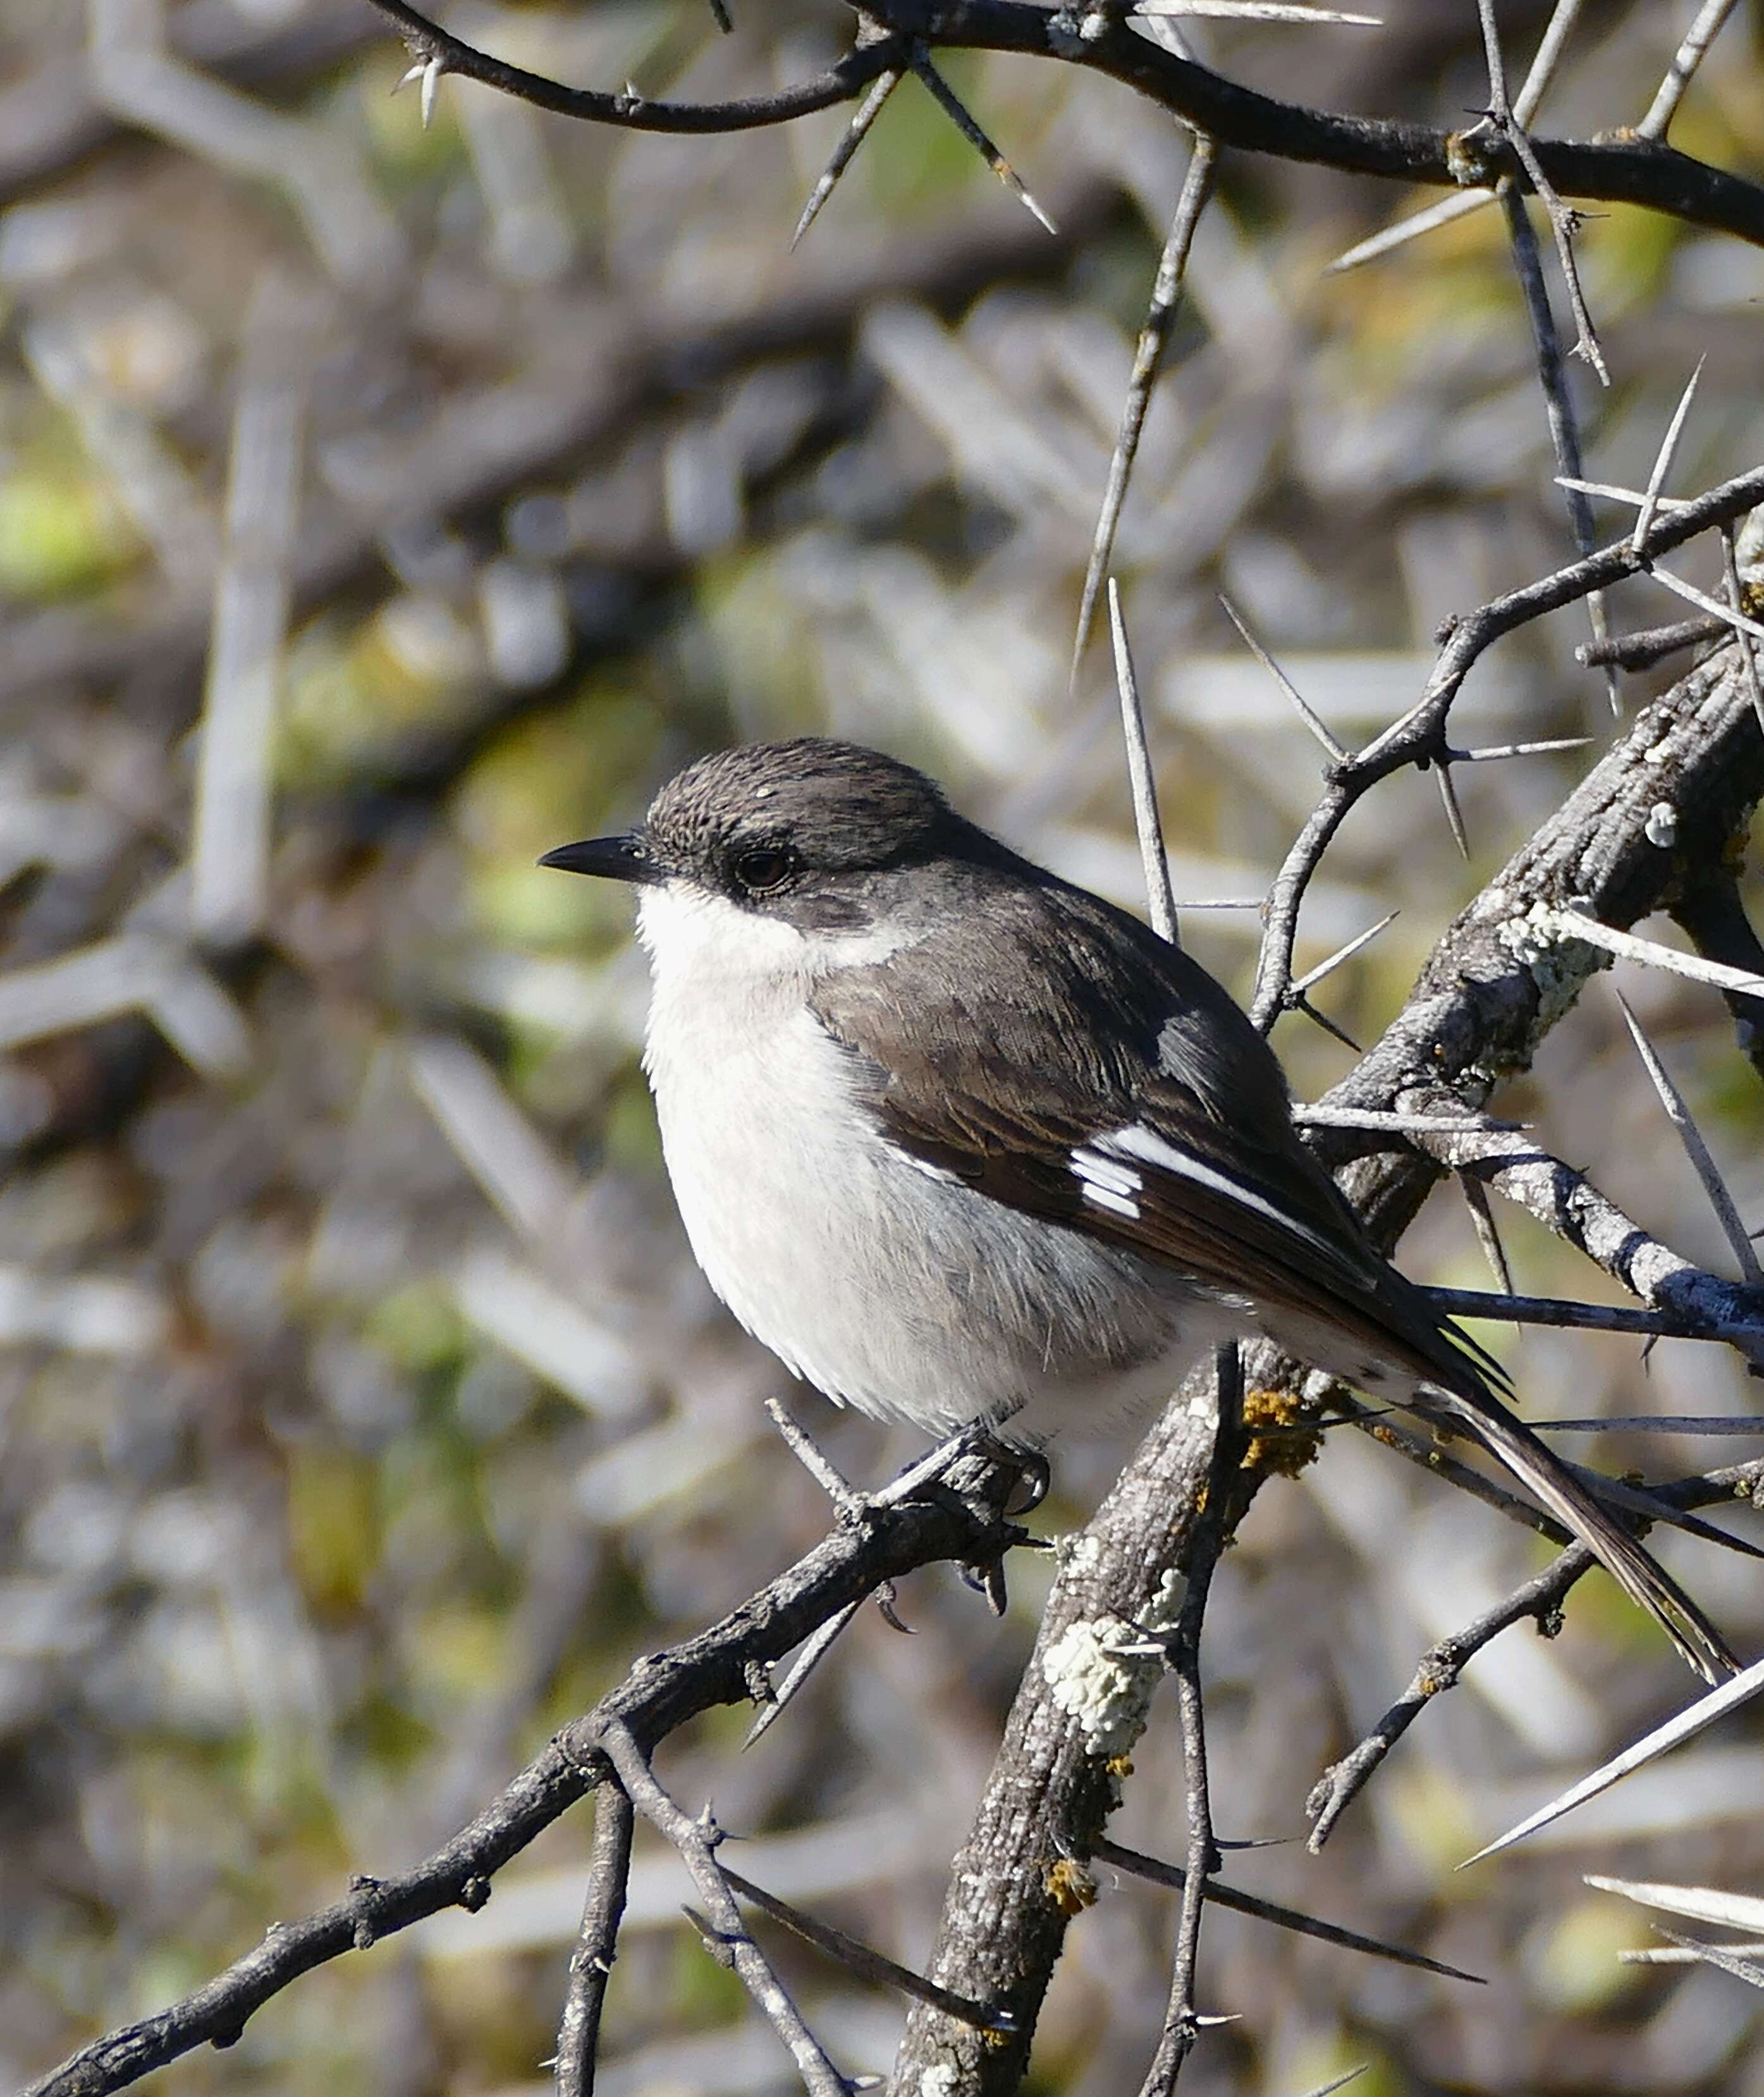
(1629, 171)
(662, 1693)
(1558, 396)
(433, 47)
(1148, 362)
(596, 1945)
(696, 1841)
(1526, 103)
(1643, 651)
(1181, 2024)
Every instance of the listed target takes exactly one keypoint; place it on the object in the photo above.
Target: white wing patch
(1139, 1141)
(1107, 1183)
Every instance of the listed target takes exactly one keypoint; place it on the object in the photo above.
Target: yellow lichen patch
(1119, 1767)
(1070, 1885)
(1284, 1454)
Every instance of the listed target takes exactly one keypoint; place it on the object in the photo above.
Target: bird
(968, 1146)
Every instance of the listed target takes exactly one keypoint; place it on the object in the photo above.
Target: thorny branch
(1623, 170)
(1492, 988)
(661, 1693)
(1483, 1001)
(1442, 1666)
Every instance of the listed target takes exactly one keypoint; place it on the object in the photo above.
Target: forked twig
(1449, 209)
(696, 1841)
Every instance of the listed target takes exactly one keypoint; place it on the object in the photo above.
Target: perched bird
(961, 1143)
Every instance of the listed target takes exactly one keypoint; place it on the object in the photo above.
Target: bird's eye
(764, 869)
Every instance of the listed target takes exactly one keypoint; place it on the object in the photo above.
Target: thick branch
(1017, 1883)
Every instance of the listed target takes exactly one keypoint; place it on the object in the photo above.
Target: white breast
(890, 1287)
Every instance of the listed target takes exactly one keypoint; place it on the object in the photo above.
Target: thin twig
(1158, 1873)
(1148, 362)
(1607, 169)
(433, 47)
(1160, 897)
(1717, 1425)
(866, 1961)
(1418, 732)
(597, 1944)
(1563, 222)
(1652, 645)
(1663, 459)
(843, 154)
(1525, 106)
(1430, 1456)
(1336, 751)
(1540, 1599)
(696, 1841)
(662, 1693)
(1685, 61)
(1491, 753)
(1695, 1148)
(964, 121)
(1556, 1311)
(1729, 572)
(1440, 1668)
(1558, 398)
(1181, 2023)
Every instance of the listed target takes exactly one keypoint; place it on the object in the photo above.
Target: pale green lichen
(1557, 962)
(1101, 1670)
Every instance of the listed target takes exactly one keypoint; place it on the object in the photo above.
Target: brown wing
(1158, 1118)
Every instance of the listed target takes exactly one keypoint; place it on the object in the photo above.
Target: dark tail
(1616, 1550)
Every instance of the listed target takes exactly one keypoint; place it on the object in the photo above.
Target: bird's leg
(985, 1472)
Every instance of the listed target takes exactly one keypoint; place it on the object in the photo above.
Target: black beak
(618, 859)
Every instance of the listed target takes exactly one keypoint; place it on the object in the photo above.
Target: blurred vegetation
(363, 1416)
